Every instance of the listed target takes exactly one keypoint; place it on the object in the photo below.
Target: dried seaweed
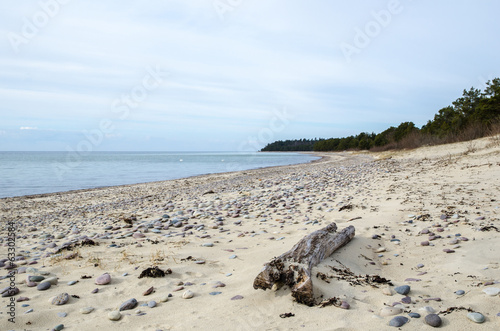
(330, 302)
(154, 272)
(453, 309)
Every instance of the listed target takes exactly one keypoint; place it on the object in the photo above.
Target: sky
(232, 75)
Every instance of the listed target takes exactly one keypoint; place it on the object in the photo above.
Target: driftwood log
(293, 268)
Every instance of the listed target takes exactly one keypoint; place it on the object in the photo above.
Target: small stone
(420, 265)
(43, 286)
(414, 315)
(114, 315)
(94, 291)
(476, 317)
(406, 300)
(387, 291)
(424, 243)
(59, 327)
(86, 310)
(62, 314)
(61, 299)
(152, 304)
(208, 245)
(390, 311)
(187, 295)
(52, 280)
(345, 305)
(103, 279)
(380, 250)
(237, 297)
(232, 257)
(73, 282)
(36, 278)
(460, 292)
(492, 291)
(164, 298)
(433, 320)
(398, 321)
(403, 290)
(129, 304)
(215, 293)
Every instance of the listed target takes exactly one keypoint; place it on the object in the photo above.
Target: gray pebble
(476, 317)
(43, 286)
(433, 320)
(414, 315)
(129, 304)
(398, 321)
(152, 304)
(403, 290)
(61, 299)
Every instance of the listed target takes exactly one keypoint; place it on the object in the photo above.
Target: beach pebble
(433, 320)
(73, 282)
(62, 314)
(86, 310)
(424, 243)
(398, 321)
(148, 291)
(215, 293)
(9, 292)
(406, 300)
(152, 304)
(103, 279)
(59, 327)
(460, 292)
(380, 250)
(208, 245)
(232, 257)
(129, 304)
(390, 311)
(237, 297)
(164, 298)
(345, 305)
(492, 291)
(35, 278)
(403, 290)
(187, 295)
(476, 317)
(61, 299)
(114, 315)
(414, 315)
(43, 286)
(94, 291)
(387, 291)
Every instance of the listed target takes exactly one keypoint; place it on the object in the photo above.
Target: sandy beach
(427, 218)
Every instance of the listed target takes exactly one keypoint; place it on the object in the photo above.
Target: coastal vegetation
(475, 114)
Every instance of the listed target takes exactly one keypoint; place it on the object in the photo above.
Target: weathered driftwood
(293, 268)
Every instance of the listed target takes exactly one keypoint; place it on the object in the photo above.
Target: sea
(29, 173)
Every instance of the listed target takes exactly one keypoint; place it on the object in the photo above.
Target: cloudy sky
(222, 75)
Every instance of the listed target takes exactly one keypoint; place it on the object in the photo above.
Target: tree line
(474, 115)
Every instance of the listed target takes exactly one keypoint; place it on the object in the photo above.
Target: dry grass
(157, 257)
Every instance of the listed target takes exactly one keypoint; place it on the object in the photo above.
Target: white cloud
(28, 128)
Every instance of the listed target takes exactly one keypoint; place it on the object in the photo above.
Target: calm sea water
(26, 173)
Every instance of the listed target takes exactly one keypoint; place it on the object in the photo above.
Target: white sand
(384, 189)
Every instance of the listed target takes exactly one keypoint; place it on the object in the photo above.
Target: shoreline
(40, 195)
